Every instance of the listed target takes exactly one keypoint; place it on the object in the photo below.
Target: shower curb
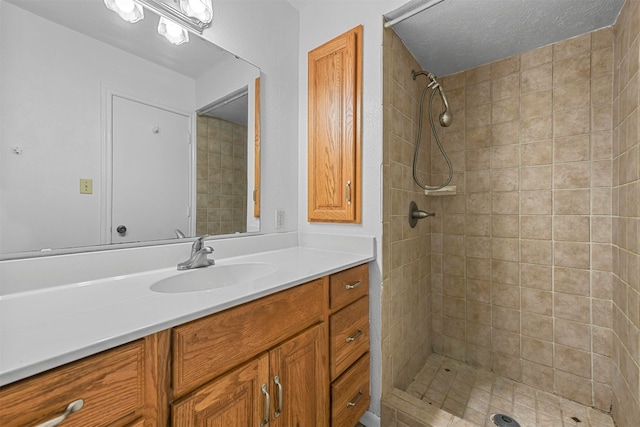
(422, 413)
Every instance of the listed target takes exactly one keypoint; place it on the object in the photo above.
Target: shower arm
(431, 76)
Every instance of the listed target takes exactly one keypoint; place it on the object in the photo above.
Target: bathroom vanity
(290, 348)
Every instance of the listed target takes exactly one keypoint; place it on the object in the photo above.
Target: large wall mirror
(111, 135)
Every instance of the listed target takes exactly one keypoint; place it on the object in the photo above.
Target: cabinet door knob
(278, 411)
(71, 408)
(267, 405)
(358, 399)
(349, 192)
(355, 337)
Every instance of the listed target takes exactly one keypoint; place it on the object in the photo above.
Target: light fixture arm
(175, 15)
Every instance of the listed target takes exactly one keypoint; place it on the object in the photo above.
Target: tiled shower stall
(532, 270)
(221, 177)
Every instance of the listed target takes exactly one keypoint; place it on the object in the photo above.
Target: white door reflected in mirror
(150, 193)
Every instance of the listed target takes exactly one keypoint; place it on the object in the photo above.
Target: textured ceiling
(456, 35)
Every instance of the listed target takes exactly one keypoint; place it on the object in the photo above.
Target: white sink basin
(214, 277)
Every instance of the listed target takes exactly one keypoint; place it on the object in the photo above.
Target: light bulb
(199, 9)
(128, 10)
(197, 6)
(126, 6)
(173, 32)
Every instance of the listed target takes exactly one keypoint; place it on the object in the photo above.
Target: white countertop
(47, 327)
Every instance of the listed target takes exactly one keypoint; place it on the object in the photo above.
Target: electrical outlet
(279, 219)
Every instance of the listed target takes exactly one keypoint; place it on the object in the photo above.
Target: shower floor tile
(474, 394)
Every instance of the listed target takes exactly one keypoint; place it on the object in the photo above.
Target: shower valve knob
(415, 214)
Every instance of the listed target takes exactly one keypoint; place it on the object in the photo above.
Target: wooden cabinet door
(235, 399)
(334, 120)
(299, 380)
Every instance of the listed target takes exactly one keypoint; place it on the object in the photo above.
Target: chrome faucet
(198, 257)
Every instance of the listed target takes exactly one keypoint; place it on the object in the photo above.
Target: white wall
(235, 73)
(265, 33)
(321, 21)
(52, 79)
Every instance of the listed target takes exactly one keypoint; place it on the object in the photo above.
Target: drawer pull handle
(267, 405)
(355, 337)
(358, 399)
(348, 191)
(276, 380)
(355, 285)
(71, 408)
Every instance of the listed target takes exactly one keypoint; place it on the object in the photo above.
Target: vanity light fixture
(192, 15)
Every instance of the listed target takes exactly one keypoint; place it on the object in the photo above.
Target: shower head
(446, 117)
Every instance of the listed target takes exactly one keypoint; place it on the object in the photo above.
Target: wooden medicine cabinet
(335, 121)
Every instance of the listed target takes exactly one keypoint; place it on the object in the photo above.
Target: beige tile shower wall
(521, 273)
(221, 194)
(626, 222)
(406, 251)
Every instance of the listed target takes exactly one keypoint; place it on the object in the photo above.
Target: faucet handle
(198, 244)
(201, 257)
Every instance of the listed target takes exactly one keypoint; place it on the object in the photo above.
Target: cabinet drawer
(349, 335)
(111, 385)
(208, 347)
(350, 394)
(347, 286)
